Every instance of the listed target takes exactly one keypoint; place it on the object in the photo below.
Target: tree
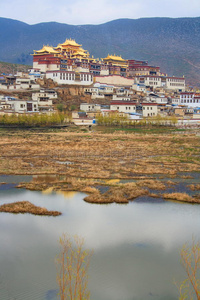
(72, 269)
(60, 107)
(190, 259)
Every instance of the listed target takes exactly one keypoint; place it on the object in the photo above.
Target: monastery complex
(69, 63)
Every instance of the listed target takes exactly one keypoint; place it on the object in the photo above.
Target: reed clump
(123, 193)
(152, 184)
(182, 197)
(22, 207)
(89, 189)
(194, 187)
(97, 198)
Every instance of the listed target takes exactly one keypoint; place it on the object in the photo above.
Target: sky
(79, 12)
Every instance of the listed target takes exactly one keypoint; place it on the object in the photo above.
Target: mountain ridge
(171, 43)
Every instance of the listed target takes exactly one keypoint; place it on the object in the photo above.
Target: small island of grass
(22, 207)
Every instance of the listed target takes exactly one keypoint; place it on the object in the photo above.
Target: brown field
(81, 161)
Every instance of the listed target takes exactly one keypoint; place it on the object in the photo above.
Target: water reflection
(136, 247)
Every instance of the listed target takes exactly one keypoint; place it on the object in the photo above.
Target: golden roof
(70, 42)
(114, 57)
(59, 46)
(81, 49)
(79, 53)
(47, 49)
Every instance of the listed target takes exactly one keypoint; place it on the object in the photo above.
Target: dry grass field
(81, 161)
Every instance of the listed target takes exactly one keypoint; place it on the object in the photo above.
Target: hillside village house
(190, 99)
(175, 100)
(120, 98)
(94, 92)
(123, 106)
(139, 87)
(156, 98)
(179, 111)
(21, 81)
(45, 94)
(90, 107)
(170, 83)
(144, 109)
(37, 104)
(99, 91)
(20, 84)
(147, 109)
(45, 99)
(5, 107)
(15, 105)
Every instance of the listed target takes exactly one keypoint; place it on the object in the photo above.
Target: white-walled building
(90, 107)
(5, 106)
(35, 74)
(68, 77)
(121, 98)
(91, 90)
(170, 83)
(45, 99)
(101, 89)
(106, 89)
(175, 100)
(175, 83)
(95, 92)
(23, 106)
(123, 106)
(147, 109)
(143, 109)
(190, 99)
(115, 80)
(159, 99)
(45, 93)
(139, 87)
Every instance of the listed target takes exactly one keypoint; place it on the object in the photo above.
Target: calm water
(136, 246)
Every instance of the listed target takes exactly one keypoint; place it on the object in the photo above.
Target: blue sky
(78, 12)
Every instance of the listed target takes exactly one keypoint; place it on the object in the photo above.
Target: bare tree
(190, 259)
(72, 269)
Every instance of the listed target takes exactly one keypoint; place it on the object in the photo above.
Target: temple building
(70, 49)
(46, 59)
(117, 65)
(61, 57)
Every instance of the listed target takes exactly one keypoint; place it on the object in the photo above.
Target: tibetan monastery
(69, 63)
(71, 56)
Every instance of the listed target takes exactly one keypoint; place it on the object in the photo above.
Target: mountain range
(171, 43)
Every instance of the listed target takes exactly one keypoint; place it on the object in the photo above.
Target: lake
(136, 246)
